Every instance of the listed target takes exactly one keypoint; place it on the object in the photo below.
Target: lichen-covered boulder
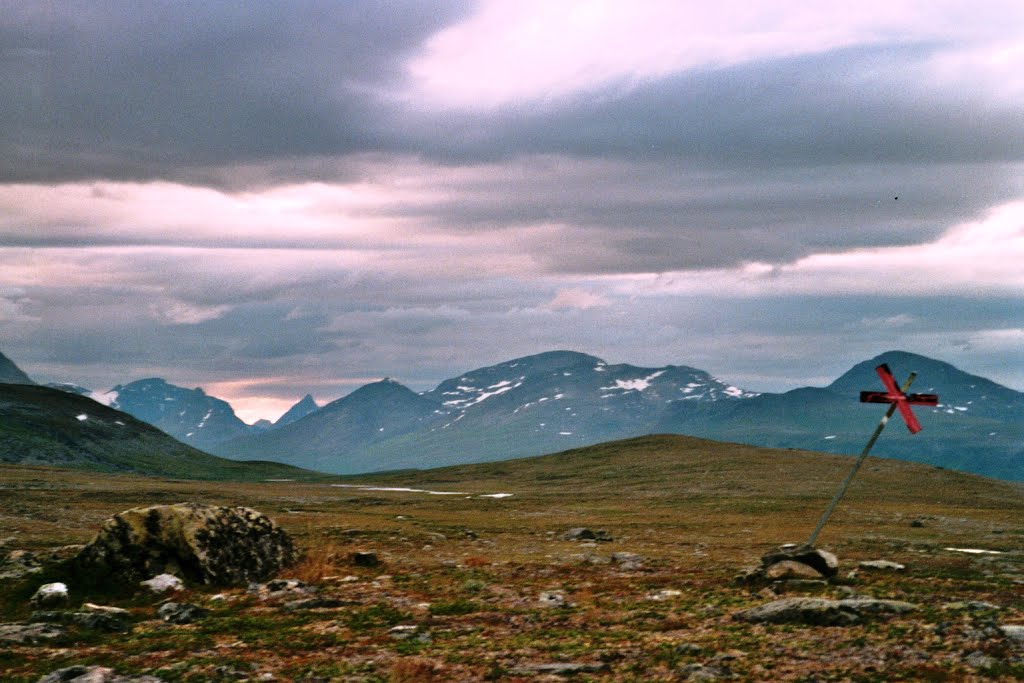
(822, 611)
(209, 544)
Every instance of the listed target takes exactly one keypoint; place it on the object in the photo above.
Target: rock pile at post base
(214, 545)
(793, 563)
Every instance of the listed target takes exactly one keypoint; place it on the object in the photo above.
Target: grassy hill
(472, 576)
(44, 426)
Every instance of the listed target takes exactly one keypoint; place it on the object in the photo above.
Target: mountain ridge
(562, 399)
(46, 426)
(11, 373)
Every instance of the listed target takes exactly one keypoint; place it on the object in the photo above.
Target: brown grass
(467, 572)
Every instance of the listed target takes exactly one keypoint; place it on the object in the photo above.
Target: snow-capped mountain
(532, 405)
(562, 399)
(188, 415)
(978, 425)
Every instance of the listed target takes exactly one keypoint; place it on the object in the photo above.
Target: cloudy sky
(272, 198)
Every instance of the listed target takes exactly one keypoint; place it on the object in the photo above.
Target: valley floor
(483, 588)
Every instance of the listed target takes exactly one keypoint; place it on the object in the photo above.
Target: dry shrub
(317, 562)
(414, 670)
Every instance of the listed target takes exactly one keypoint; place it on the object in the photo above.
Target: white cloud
(537, 49)
(577, 298)
(981, 257)
(182, 313)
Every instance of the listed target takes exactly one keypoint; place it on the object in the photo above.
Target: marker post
(898, 400)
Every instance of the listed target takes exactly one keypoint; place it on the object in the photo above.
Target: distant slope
(715, 476)
(44, 426)
(978, 427)
(371, 414)
(304, 407)
(11, 373)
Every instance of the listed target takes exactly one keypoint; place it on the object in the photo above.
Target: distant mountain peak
(11, 373)
(931, 373)
(298, 411)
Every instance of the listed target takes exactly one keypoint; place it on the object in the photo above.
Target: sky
(268, 199)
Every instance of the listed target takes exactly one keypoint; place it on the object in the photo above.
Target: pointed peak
(11, 373)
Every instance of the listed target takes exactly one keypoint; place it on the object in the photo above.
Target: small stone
(627, 560)
(364, 559)
(687, 649)
(971, 606)
(559, 669)
(50, 595)
(403, 631)
(105, 609)
(29, 634)
(280, 587)
(95, 621)
(579, 534)
(703, 672)
(552, 599)
(980, 660)
(315, 603)
(19, 563)
(163, 583)
(181, 613)
(665, 594)
(789, 569)
(1013, 632)
(884, 565)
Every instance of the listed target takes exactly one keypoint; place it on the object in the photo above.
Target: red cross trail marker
(898, 399)
(901, 400)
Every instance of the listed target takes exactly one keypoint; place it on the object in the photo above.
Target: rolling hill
(45, 426)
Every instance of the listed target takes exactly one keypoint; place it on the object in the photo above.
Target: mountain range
(559, 400)
(562, 399)
(189, 415)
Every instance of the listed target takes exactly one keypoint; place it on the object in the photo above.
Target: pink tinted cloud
(536, 49)
(981, 257)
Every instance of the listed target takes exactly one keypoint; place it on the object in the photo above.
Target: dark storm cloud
(768, 161)
(858, 105)
(163, 90)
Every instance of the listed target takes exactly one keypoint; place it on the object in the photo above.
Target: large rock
(29, 634)
(93, 674)
(209, 544)
(822, 611)
(19, 563)
(822, 561)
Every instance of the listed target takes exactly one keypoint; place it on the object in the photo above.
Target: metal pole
(856, 466)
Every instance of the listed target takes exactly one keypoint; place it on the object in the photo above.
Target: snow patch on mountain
(635, 384)
(107, 398)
